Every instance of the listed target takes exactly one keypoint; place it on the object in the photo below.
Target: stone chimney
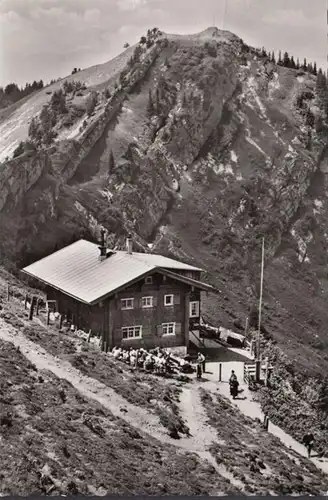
(102, 247)
(129, 244)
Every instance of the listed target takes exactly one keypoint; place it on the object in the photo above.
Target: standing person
(233, 377)
(201, 360)
(233, 382)
(199, 366)
(308, 441)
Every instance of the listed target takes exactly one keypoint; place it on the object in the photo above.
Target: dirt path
(252, 409)
(202, 435)
(87, 386)
(146, 422)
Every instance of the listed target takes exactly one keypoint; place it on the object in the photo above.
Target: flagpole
(258, 346)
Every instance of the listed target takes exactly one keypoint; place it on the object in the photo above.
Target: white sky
(47, 38)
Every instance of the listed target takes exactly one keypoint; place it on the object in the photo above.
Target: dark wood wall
(151, 319)
(82, 315)
(108, 318)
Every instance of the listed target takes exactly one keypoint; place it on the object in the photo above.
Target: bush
(58, 102)
(19, 150)
(24, 147)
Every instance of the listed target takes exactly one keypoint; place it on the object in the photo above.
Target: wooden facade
(148, 321)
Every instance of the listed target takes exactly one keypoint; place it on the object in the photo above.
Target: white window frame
(125, 307)
(149, 280)
(146, 303)
(193, 303)
(171, 303)
(131, 332)
(166, 329)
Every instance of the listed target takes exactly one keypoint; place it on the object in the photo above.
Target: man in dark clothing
(233, 377)
(308, 441)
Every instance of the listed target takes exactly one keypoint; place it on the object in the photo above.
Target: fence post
(25, 303)
(48, 316)
(89, 336)
(266, 422)
(258, 370)
(60, 321)
(266, 371)
(37, 306)
(30, 315)
(8, 292)
(220, 372)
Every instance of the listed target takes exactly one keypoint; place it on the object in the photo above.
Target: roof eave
(55, 287)
(189, 281)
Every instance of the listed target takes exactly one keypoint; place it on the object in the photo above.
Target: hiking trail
(139, 418)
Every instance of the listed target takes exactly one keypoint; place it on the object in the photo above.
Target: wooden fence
(250, 371)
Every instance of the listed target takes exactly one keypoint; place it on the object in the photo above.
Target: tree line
(288, 61)
(12, 93)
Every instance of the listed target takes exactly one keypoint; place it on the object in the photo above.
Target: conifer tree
(150, 106)
(304, 64)
(280, 59)
(298, 64)
(158, 101)
(33, 129)
(286, 60)
(309, 118)
(322, 91)
(315, 68)
(111, 163)
(273, 58)
(292, 63)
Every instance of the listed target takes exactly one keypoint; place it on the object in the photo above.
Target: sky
(46, 39)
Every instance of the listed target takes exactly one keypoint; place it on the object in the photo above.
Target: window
(131, 332)
(148, 280)
(194, 309)
(127, 303)
(168, 300)
(147, 302)
(168, 328)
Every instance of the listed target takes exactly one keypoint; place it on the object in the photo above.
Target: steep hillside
(198, 146)
(73, 420)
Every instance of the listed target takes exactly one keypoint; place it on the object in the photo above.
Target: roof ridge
(146, 263)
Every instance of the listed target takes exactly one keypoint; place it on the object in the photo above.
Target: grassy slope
(59, 442)
(13, 129)
(260, 463)
(59, 430)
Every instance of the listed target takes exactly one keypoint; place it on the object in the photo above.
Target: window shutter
(176, 299)
(154, 301)
(177, 328)
(159, 330)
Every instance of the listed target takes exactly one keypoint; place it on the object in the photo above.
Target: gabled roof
(77, 271)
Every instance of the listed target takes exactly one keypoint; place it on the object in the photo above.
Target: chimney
(102, 247)
(129, 244)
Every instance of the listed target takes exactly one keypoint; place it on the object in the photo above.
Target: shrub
(58, 102)
(19, 150)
